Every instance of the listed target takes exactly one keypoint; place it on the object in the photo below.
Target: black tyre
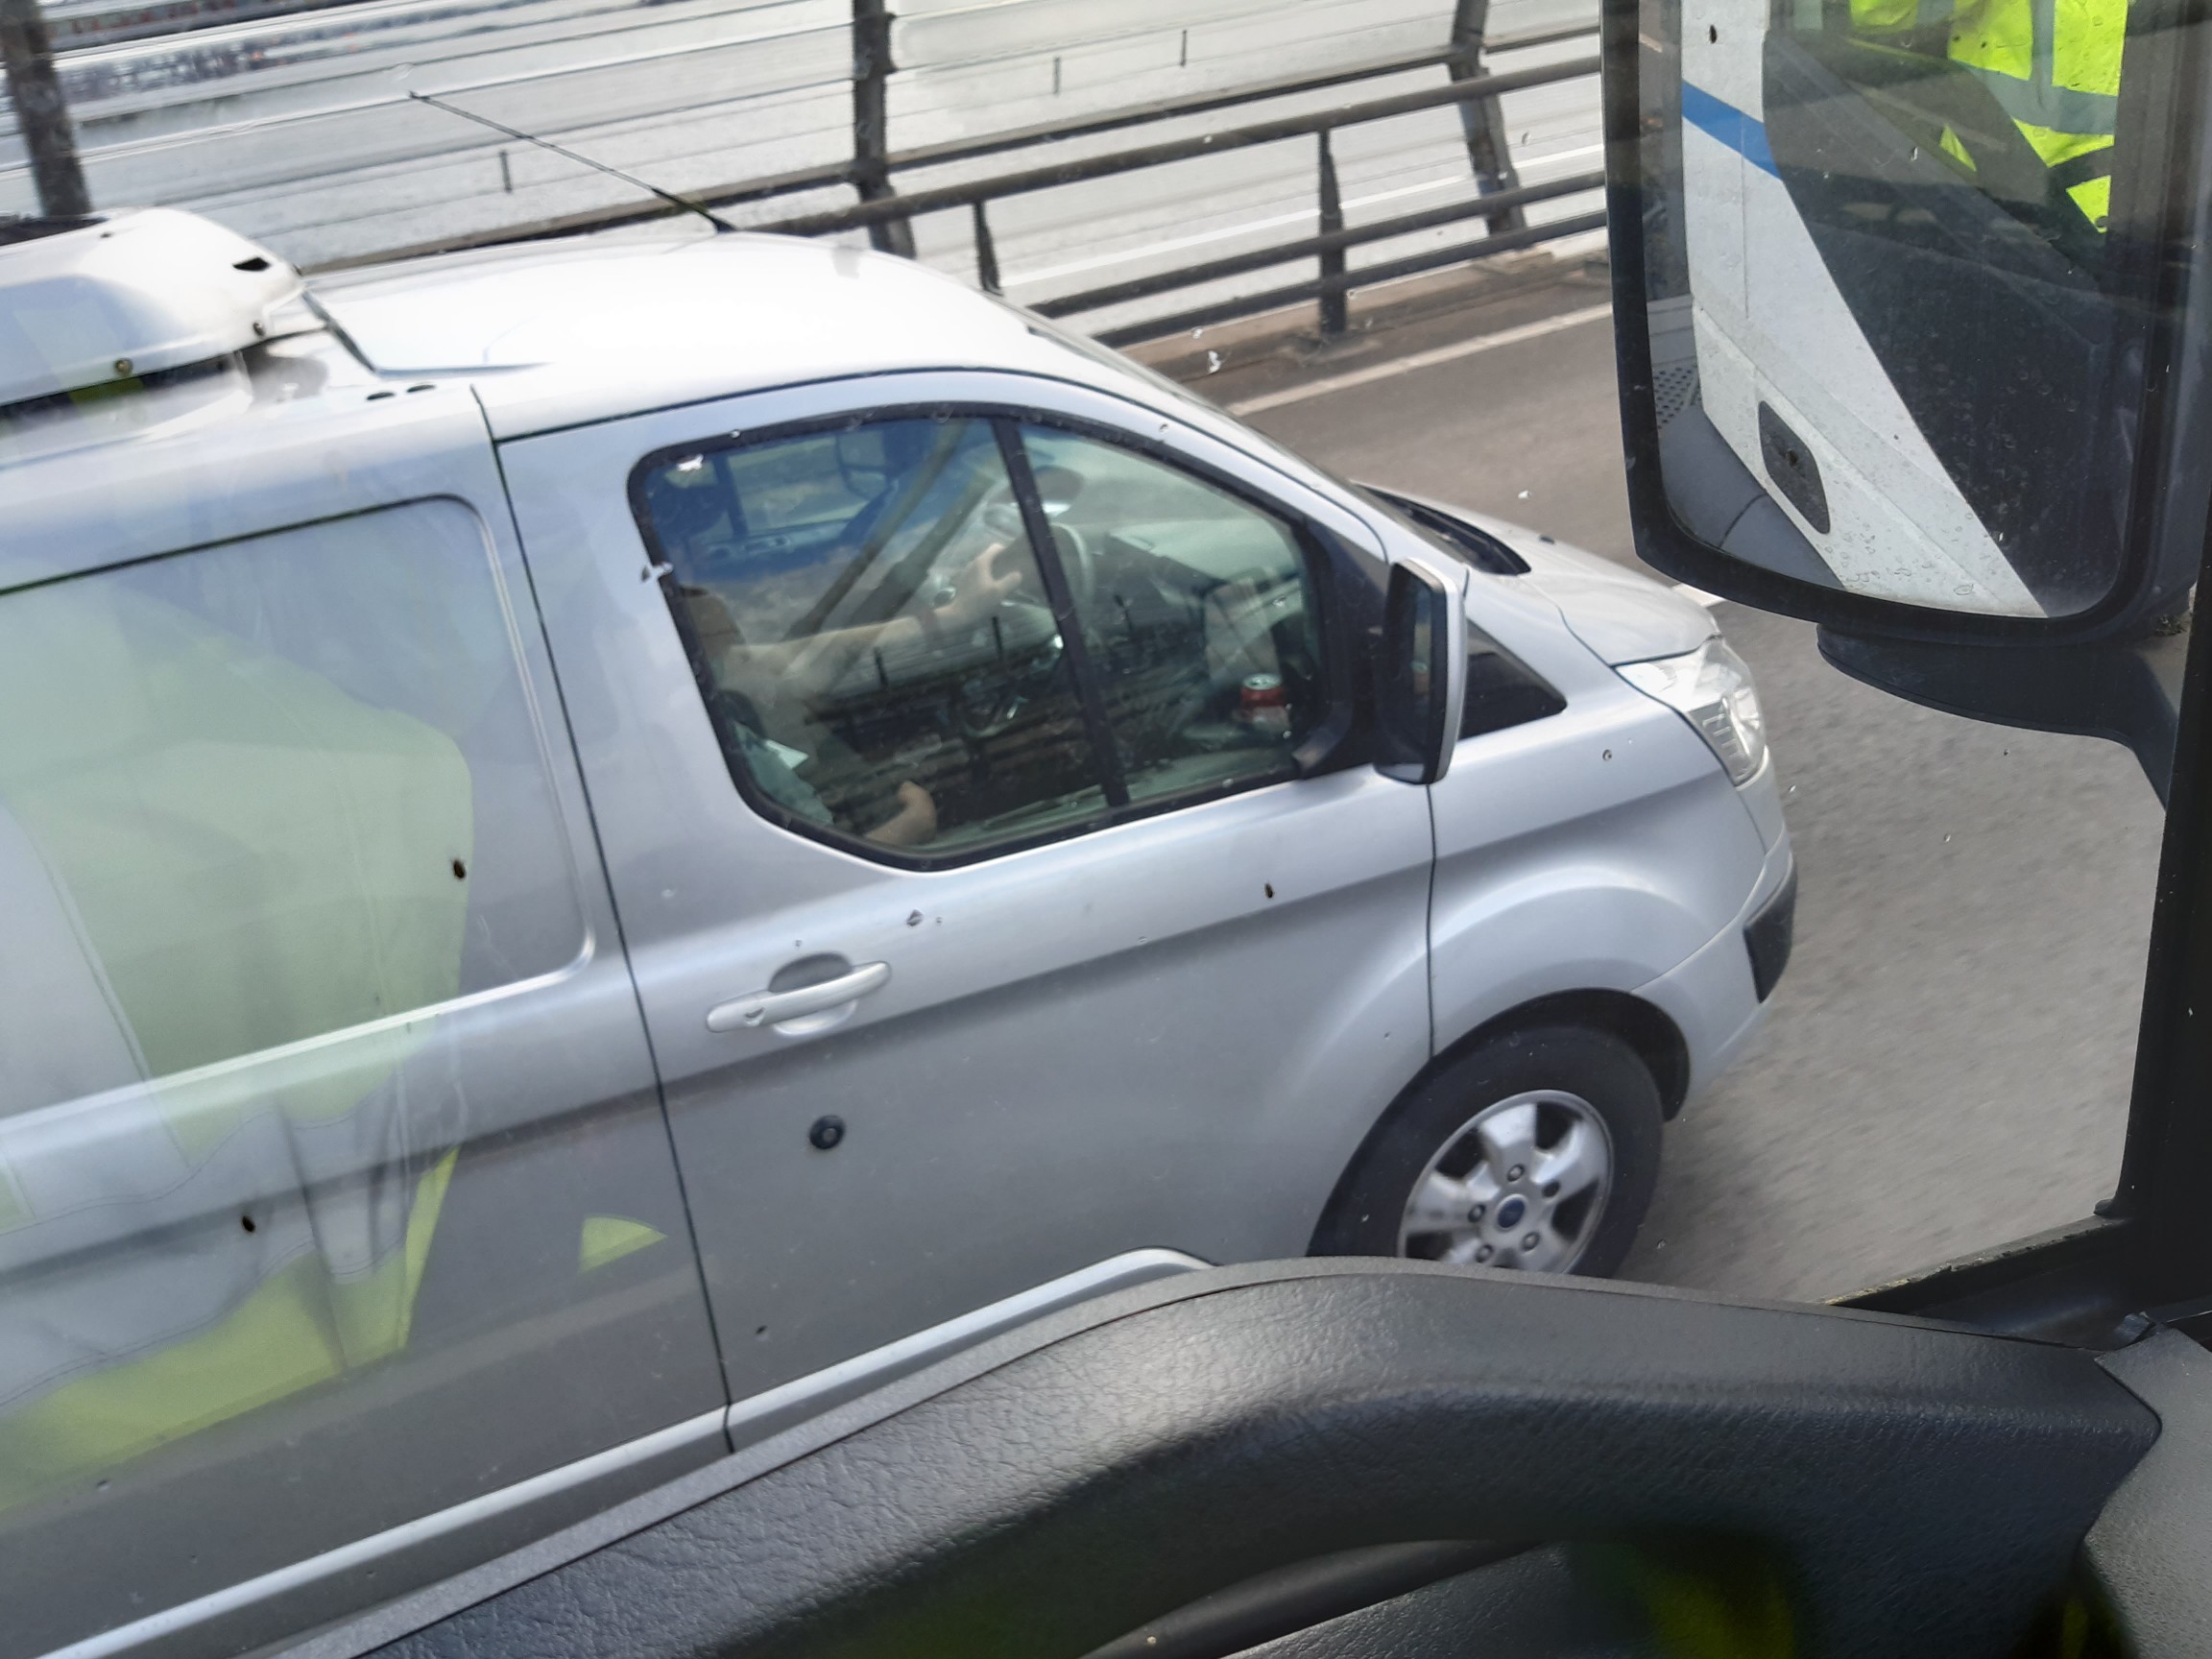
(1538, 1149)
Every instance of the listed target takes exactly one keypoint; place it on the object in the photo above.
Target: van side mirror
(864, 460)
(1420, 676)
(1895, 358)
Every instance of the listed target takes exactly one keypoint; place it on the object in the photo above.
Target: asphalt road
(303, 132)
(1946, 1064)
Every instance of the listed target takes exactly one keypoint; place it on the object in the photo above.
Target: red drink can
(1261, 702)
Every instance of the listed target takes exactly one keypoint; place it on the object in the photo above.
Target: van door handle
(758, 1008)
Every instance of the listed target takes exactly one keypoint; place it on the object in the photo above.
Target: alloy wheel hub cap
(1522, 1184)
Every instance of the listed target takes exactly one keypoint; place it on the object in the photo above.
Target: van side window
(1196, 611)
(263, 806)
(1501, 690)
(263, 792)
(873, 637)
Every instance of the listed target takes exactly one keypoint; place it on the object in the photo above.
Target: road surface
(1946, 1063)
(309, 133)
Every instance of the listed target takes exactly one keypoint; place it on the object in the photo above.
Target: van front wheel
(1537, 1150)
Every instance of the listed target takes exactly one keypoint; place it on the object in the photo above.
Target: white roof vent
(96, 300)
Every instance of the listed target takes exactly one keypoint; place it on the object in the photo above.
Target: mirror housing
(2129, 694)
(1419, 675)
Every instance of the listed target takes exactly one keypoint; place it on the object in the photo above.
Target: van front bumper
(1769, 935)
(1717, 998)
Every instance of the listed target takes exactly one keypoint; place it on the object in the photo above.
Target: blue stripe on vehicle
(1728, 124)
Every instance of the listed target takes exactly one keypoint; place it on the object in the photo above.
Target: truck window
(263, 806)
(267, 791)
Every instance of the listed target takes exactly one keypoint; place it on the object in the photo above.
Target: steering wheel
(989, 704)
(1078, 561)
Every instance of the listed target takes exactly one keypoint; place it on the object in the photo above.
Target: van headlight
(1711, 689)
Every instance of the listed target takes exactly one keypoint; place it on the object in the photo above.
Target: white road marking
(1451, 354)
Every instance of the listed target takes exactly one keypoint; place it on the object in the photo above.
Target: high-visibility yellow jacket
(2053, 66)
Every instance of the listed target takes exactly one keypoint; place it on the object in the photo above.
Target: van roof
(561, 335)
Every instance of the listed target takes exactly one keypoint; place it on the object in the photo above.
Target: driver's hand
(914, 823)
(977, 591)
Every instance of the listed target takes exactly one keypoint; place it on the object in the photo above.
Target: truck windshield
(612, 834)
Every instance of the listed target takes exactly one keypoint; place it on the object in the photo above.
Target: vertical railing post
(1481, 118)
(40, 114)
(986, 252)
(871, 121)
(1335, 301)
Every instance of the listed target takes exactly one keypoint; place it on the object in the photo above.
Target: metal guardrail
(887, 214)
(1475, 92)
(26, 58)
(1501, 207)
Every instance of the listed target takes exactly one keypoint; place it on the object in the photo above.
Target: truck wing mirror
(1910, 345)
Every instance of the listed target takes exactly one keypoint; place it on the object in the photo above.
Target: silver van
(602, 846)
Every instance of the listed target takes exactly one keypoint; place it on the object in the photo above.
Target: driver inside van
(769, 548)
(787, 674)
